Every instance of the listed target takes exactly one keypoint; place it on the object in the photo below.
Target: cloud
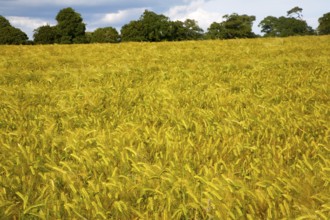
(114, 19)
(30, 14)
(30, 3)
(94, 4)
(122, 16)
(194, 10)
(80, 2)
(27, 24)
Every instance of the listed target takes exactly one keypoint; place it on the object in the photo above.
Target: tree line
(153, 27)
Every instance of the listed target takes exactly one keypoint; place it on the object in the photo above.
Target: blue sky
(31, 14)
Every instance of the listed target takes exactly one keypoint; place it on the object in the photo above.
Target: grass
(235, 129)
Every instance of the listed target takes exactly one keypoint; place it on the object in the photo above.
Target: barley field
(235, 129)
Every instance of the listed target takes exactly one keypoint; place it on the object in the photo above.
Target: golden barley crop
(235, 129)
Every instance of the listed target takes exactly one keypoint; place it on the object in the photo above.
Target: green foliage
(187, 30)
(295, 11)
(70, 27)
(177, 30)
(234, 26)
(10, 34)
(324, 24)
(45, 35)
(150, 27)
(192, 30)
(216, 31)
(4, 22)
(88, 36)
(238, 26)
(286, 26)
(269, 26)
(154, 28)
(133, 31)
(105, 35)
(293, 27)
(188, 130)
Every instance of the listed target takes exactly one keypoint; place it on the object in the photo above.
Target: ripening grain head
(184, 130)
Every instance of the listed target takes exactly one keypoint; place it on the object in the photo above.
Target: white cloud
(122, 15)
(194, 10)
(26, 21)
(116, 19)
(27, 24)
(112, 4)
(27, 14)
(80, 2)
(61, 2)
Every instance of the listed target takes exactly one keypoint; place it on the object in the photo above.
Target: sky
(31, 14)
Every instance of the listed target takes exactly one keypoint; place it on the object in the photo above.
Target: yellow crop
(235, 129)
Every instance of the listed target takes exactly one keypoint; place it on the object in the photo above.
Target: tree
(187, 30)
(269, 26)
(10, 34)
(155, 27)
(233, 26)
(133, 31)
(293, 27)
(193, 31)
(297, 11)
(216, 31)
(70, 27)
(324, 24)
(177, 31)
(45, 35)
(88, 36)
(105, 35)
(286, 26)
(238, 26)
(150, 27)
(4, 22)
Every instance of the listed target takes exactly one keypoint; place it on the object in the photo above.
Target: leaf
(24, 199)
(26, 211)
